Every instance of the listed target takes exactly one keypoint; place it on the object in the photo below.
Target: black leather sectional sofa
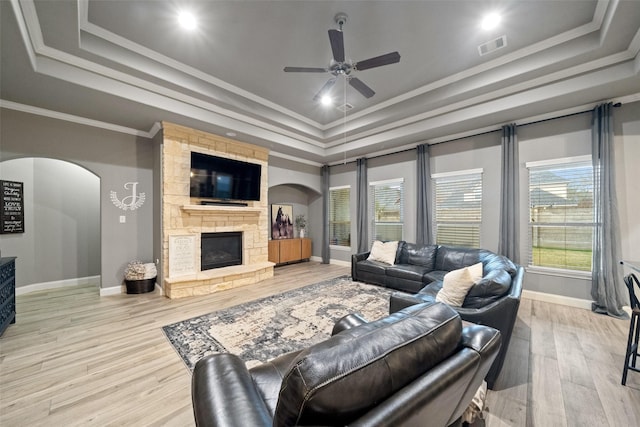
(419, 270)
(418, 367)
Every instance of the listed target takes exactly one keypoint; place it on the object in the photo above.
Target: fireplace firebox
(220, 250)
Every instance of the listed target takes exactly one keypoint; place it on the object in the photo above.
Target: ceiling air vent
(492, 45)
(344, 107)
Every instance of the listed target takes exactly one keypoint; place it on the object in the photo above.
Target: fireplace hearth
(220, 250)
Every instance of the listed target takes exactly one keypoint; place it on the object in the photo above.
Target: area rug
(260, 330)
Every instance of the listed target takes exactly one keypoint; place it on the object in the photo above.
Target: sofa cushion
(424, 255)
(384, 252)
(499, 262)
(451, 258)
(407, 271)
(338, 380)
(457, 283)
(434, 276)
(374, 267)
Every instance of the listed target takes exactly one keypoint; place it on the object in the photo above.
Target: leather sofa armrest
(400, 300)
(222, 378)
(347, 322)
(360, 257)
(355, 258)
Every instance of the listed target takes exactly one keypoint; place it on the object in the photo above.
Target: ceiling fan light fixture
(326, 100)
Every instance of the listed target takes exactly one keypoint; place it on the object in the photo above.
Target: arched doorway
(60, 245)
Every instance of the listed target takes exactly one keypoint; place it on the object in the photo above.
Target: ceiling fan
(339, 66)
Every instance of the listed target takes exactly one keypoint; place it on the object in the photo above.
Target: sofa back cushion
(496, 281)
(340, 379)
(449, 258)
(498, 272)
(423, 255)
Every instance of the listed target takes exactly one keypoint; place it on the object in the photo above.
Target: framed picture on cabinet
(281, 221)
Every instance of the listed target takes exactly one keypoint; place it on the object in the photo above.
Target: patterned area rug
(263, 329)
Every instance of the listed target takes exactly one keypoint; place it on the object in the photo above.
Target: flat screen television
(215, 177)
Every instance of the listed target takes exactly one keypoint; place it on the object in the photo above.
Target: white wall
(299, 185)
(566, 137)
(62, 221)
(114, 157)
(477, 152)
(627, 158)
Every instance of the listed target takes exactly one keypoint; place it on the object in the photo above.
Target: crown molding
(78, 120)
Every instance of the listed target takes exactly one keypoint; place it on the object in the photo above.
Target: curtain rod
(616, 105)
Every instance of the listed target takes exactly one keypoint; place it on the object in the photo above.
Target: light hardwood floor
(75, 358)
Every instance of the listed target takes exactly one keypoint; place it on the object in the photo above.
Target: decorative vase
(301, 232)
(140, 286)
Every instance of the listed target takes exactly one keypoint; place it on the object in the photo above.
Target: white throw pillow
(384, 252)
(457, 283)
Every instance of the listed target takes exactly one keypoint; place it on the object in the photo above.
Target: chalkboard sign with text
(12, 205)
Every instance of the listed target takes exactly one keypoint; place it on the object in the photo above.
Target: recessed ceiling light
(326, 100)
(187, 20)
(231, 134)
(490, 21)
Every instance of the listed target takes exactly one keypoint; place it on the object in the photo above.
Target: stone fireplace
(188, 224)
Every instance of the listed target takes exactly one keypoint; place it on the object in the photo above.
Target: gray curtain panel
(509, 240)
(362, 207)
(607, 289)
(423, 215)
(325, 214)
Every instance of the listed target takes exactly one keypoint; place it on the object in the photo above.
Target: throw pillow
(457, 283)
(384, 252)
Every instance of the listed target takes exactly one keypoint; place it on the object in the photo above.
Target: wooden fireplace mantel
(225, 210)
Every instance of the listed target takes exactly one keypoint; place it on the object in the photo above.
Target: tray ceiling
(129, 64)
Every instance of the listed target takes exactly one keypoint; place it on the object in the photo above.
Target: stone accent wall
(184, 216)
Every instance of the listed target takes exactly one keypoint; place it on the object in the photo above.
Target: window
(561, 213)
(339, 216)
(386, 209)
(458, 208)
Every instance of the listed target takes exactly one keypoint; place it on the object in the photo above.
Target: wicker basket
(140, 286)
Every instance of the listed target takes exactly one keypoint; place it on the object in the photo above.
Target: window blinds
(386, 210)
(339, 216)
(561, 215)
(458, 209)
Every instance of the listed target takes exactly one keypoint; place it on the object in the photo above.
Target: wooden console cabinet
(7, 292)
(289, 250)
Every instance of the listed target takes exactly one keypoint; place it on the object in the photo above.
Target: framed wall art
(281, 221)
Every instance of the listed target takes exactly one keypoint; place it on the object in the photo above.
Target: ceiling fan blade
(328, 85)
(337, 45)
(304, 70)
(365, 90)
(378, 61)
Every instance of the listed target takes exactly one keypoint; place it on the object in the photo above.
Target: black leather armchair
(420, 366)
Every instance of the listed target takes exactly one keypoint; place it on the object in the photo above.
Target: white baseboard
(112, 290)
(91, 280)
(557, 299)
(332, 261)
(339, 262)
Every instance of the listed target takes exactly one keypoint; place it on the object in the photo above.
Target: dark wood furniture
(289, 250)
(7, 292)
